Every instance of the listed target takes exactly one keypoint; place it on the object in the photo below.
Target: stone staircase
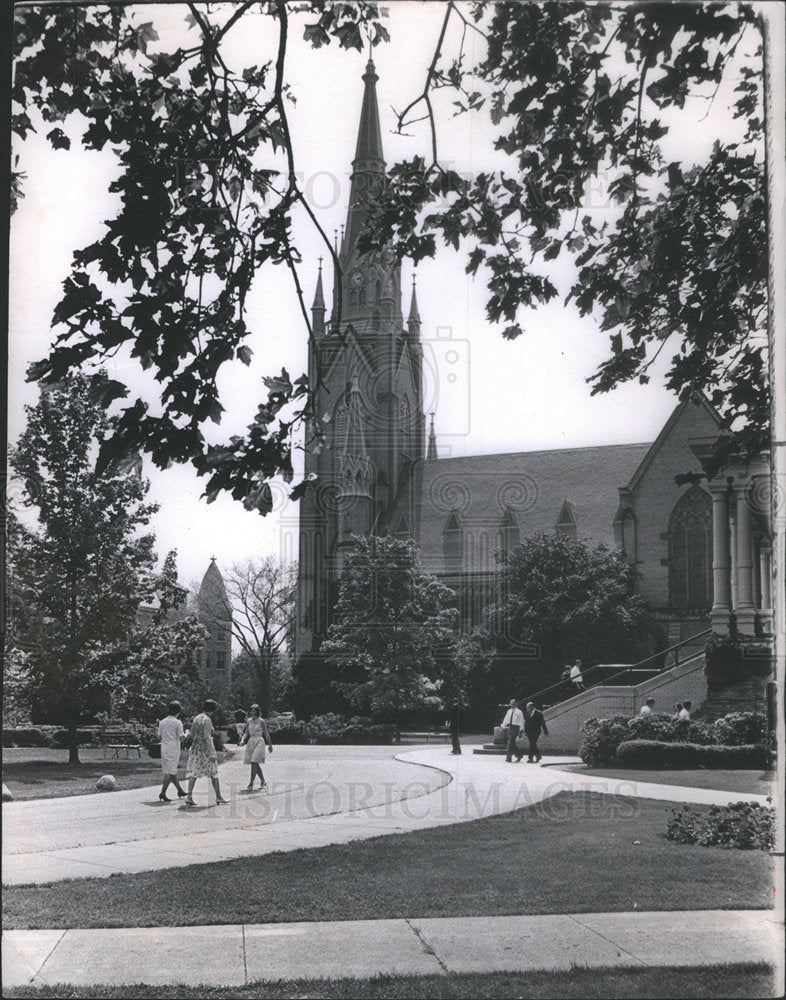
(685, 681)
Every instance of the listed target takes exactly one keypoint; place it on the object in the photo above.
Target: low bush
(600, 739)
(655, 754)
(743, 825)
(85, 738)
(25, 738)
(740, 728)
(359, 731)
(296, 732)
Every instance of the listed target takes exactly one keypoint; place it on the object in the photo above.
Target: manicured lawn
(46, 774)
(720, 983)
(577, 852)
(744, 782)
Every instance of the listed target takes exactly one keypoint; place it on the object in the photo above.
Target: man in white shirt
(646, 709)
(685, 712)
(575, 676)
(513, 721)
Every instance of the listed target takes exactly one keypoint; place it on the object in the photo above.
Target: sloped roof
(213, 598)
(533, 485)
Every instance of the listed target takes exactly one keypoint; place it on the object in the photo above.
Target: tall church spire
(368, 167)
(369, 144)
(370, 283)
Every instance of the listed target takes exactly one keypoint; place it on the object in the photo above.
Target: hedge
(25, 738)
(656, 754)
(602, 737)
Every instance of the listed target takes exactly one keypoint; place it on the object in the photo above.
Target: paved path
(309, 803)
(236, 955)
(325, 798)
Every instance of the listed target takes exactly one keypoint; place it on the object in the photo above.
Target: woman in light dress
(170, 732)
(255, 736)
(202, 757)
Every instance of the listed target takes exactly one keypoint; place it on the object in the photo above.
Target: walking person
(534, 725)
(455, 719)
(513, 722)
(171, 735)
(255, 736)
(575, 676)
(202, 756)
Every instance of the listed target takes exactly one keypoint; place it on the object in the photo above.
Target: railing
(537, 697)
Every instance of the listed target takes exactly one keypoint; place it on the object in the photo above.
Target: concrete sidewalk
(237, 955)
(308, 803)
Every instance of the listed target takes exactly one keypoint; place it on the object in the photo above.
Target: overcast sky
(489, 395)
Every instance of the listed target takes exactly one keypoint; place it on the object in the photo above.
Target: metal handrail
(625, 670)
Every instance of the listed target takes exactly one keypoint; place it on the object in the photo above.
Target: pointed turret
(215, 614)
(318, 306)
(432, 441)
(413, 321)
(213, 600)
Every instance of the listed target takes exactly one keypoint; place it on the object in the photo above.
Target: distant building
(213, 610)
(215, 613)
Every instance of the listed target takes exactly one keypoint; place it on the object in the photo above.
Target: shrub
(25, 738)
(327, 729)
(85, 738)
(296, 732)
(660, 727)
(600, 739)
(655, 754)
(360, 730)
(739, 728)
(743, 825)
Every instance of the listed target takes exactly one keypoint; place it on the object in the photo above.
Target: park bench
(116, 740)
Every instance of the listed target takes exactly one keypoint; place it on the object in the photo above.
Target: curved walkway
(332, 798)
(309, 803)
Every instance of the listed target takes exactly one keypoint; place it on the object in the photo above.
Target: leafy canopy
(576, 95)
(80, 575)
(570, 598)
(389, 623)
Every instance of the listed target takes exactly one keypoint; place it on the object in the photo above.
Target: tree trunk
(73, 743)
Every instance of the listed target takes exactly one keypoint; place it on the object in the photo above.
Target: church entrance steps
(686, 681)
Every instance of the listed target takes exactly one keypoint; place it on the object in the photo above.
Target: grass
(744, 782)
(579, 852)
(46, 774)
(590, 984)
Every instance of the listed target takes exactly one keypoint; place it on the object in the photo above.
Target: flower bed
(742, 825)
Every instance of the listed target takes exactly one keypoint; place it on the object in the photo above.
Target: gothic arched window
(339, 427)
(509, 534)
(690, 550)
(453, 542)
(404, 426)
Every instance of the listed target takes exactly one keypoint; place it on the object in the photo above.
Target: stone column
(765, 571)
(721, 583)
(746, 615)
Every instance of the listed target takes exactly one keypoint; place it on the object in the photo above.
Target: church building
(379, 471)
